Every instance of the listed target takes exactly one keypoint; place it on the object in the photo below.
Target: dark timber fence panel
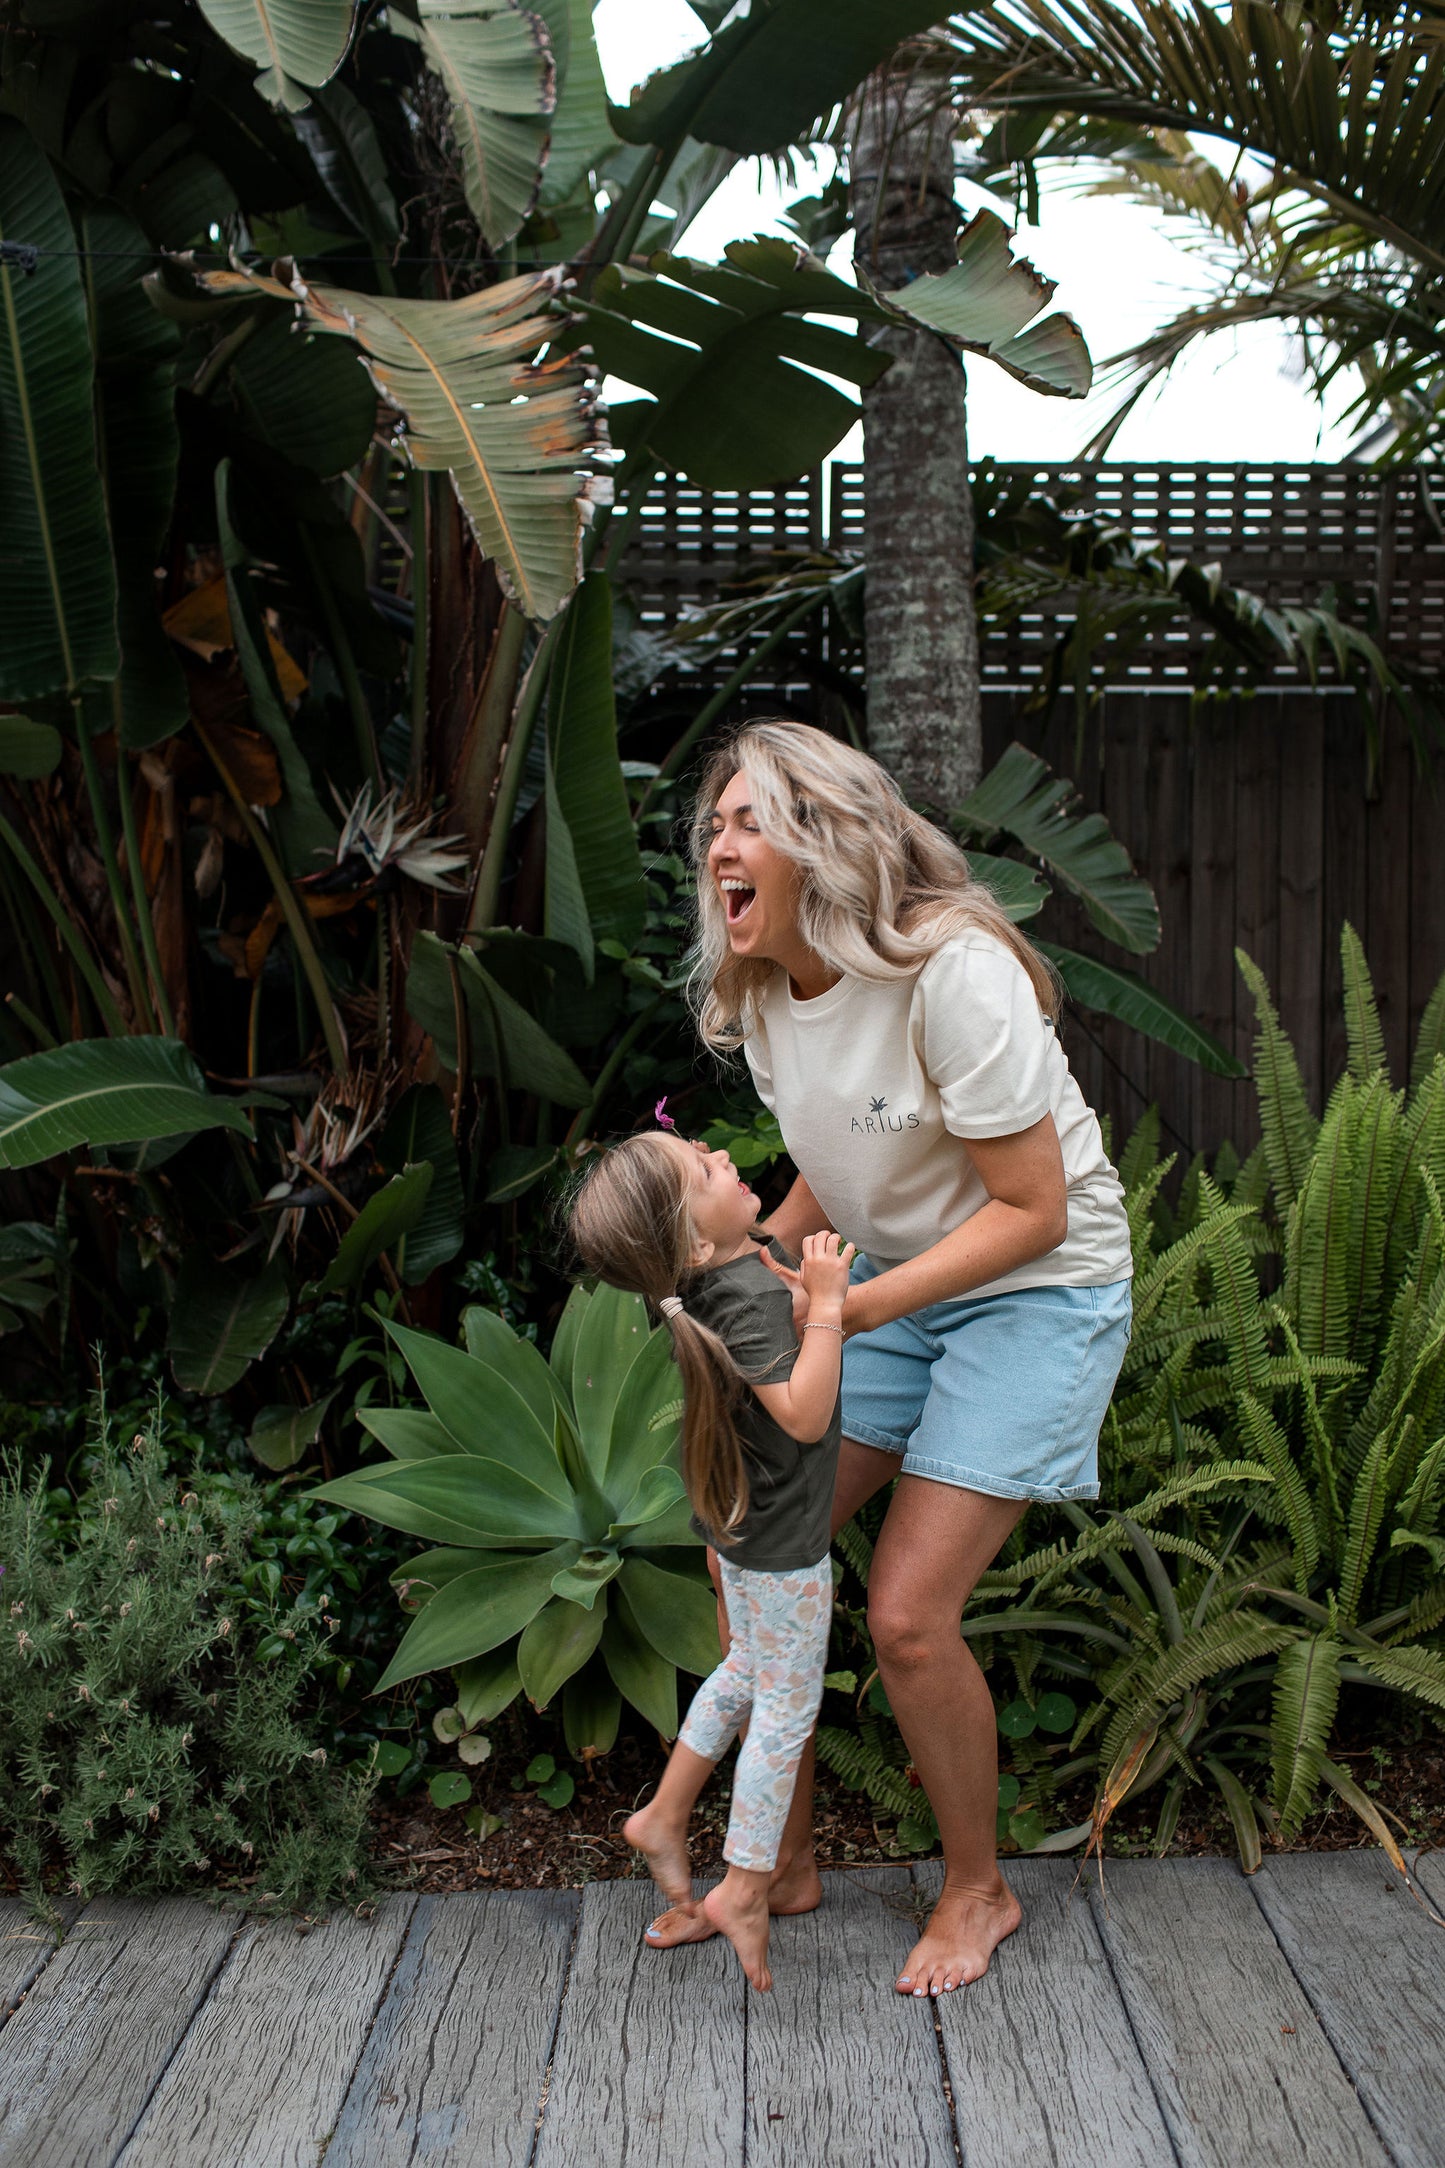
(1255, 818)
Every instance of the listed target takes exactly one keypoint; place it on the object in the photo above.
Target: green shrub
(564, 1562)
(156, 1691)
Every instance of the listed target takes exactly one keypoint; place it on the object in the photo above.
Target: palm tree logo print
(876, 1106)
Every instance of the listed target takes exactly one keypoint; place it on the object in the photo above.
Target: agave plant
(562, 1558)
(1328, 1397)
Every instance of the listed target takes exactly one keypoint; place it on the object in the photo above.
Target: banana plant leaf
(1023, 797)
(761, 83)
(138, 445)
(297, 44)
(557, 1642)
(584, 772)
(419, 1129)
(106, 1091)
(58, 596)
(504, 1039)
(581, 134)
(727, 354)
(382, 1224)
(473, 1614)
(514, 435)
(347, 154)
(494, 61)
(1120, 993)
(220, 1321)
(986, 299)
(308, 397)
(1021, 889)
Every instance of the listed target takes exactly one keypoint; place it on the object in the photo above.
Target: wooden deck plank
(1043, 2066)
(1238, 2060)
(453, 2070)
(840, 2068)
(648, 2068)
(83, 2053)
(1373, 1965)
(296, 2008)
(26, 1948)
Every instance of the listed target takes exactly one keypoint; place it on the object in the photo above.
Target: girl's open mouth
(737, 899)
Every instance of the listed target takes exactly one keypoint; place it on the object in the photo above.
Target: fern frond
(1362, 1015)
(1251, 1184)
(1317, 1251)
(1179, 1258)
(1138, 1205)
(1288, 1125)
(1236, 1294)
(1425, 1614)
(1416, 1671)
(1374, 1153)
(1421, 1144)
(1140, 1156)
(1306, 1695)
(1367, 1511)
(864, 1766)
(856, 1549)
(1269, 1443)
(1218, 1646)
(1430, 1039)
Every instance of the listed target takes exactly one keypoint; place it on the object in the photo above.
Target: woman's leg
(934, 1544)
(794, 1885)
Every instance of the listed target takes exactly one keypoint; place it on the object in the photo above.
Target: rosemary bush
(156, 1691)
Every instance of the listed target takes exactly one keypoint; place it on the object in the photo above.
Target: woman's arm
(798, 1216)
(1027, 1215)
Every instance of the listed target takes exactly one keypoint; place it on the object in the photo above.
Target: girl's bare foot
(664, 1846)
(738, 1908)
(965, 1929)
(794, 1888)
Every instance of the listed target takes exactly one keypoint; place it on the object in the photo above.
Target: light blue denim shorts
(1005, 1394)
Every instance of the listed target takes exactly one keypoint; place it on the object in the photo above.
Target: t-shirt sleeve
(757, 1329)
(985, 1040)
(755, 1047)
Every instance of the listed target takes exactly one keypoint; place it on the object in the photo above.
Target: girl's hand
(826, 1262)
(794, 1284)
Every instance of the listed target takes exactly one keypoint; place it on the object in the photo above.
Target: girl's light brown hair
(630, 1226)
(880, 889)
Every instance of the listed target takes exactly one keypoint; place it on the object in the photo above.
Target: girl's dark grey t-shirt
(790, 1484)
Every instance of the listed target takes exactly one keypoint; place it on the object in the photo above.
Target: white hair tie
(670, 1305)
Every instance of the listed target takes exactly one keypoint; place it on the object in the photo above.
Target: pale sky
(1119, 274)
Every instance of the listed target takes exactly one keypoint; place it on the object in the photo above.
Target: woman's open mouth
(737, 899)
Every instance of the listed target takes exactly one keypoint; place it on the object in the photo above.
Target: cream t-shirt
(876, 1087)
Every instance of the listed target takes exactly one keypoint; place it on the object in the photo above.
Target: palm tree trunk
(924, 720)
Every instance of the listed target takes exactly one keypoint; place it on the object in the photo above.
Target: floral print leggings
(772, 1680)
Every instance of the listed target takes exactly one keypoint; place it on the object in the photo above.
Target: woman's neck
(808, 975)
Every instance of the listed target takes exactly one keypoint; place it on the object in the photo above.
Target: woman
(903, 1031)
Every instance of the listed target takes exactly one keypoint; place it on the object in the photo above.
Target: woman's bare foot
(663, 1844)
(965, 1929)
(738, 1908)
(795, 1887)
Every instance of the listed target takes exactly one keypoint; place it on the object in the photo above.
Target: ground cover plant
(159, 1684)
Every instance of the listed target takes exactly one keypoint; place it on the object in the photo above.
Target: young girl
(673, 1222)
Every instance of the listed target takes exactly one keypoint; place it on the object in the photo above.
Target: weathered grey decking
(1297, 2018)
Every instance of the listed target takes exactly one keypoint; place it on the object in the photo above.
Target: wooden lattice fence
(1255, 817)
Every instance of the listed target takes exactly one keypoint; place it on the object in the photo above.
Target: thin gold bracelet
(820, 1326)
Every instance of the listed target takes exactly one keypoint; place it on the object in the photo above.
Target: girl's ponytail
(713, 1469)
(629, 1224)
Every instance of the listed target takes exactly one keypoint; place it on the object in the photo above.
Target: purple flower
(661, 1116)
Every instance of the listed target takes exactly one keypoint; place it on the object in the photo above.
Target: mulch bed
(420, 1847)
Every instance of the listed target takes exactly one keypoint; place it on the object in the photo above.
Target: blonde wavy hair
(880, 889)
